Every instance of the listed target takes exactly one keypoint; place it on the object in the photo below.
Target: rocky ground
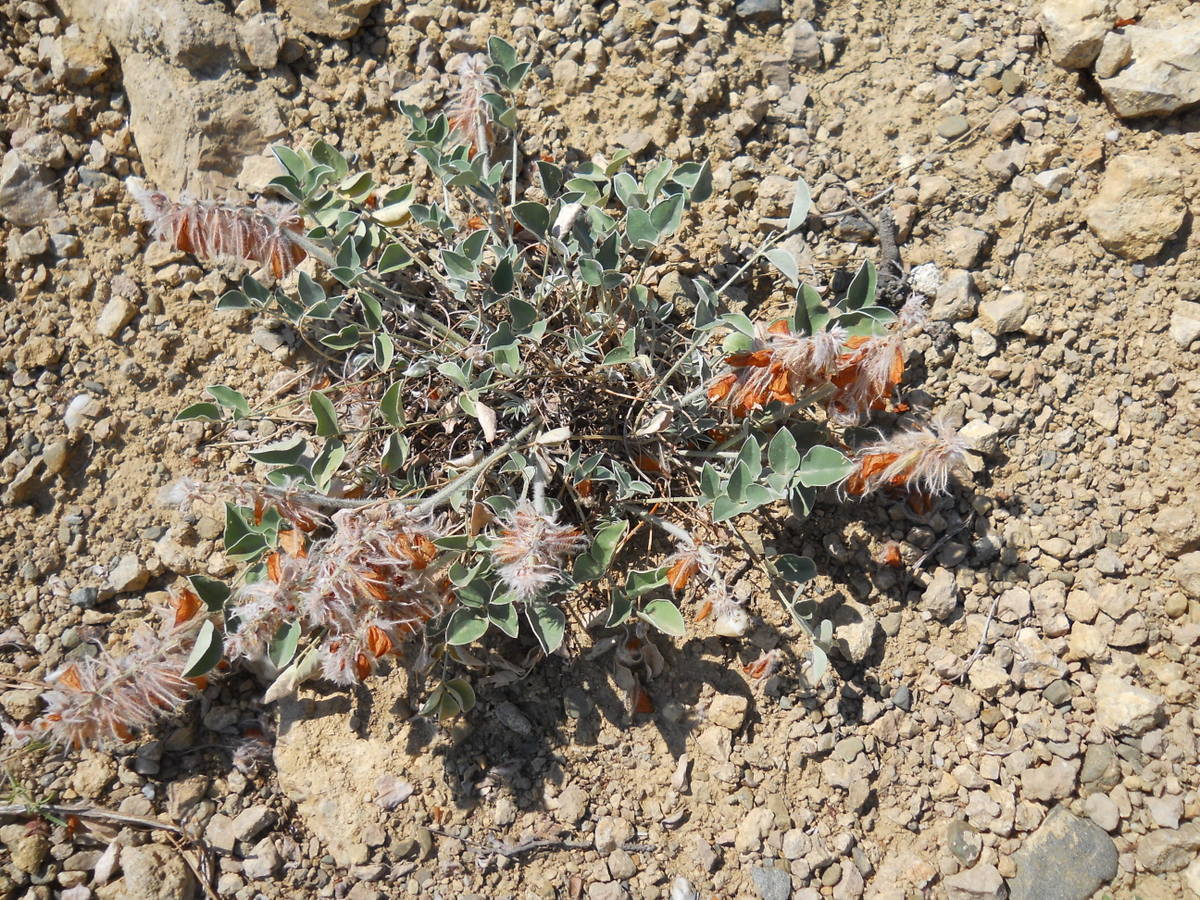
(1011, 712)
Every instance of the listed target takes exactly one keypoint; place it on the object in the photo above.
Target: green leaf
(458, 266)
(823, 466)
(665, 616)
(504, 617)
(385, 351)
(295, 164)
(345, 339)
(502, 278)
(235, 300)
(465, 626)
(725, 508)
(811, 315)
(782, 453)
(463, 693)
(599, 556)
(620, 608)
(203, 410)
(785, 261)
(552, 178)
(501, 53)
(239, 537)
(393, 258)
(801, 204)
(206, 652)
(230, 399)
(283, 645)
(327, 463)
(395, 451)
(533, 216)
(643, 233)
(548, 624)
(738, 322)
(667, 215)
(523, 314)
(794, 568)
(862, 288)
(819, 662)
(640, 582)
(214, 593)
(322, 409)
(390, 406)
(280, 453)
(310, 292)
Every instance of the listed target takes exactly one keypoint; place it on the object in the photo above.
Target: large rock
(1163, 73)
(1075, 29)
(193, 112)
(332, 18)
(1178, 528)
(1067, 858)
(1139, 206)
(190, 130)
(26, 193)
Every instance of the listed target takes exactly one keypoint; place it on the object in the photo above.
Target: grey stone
(940, 597)
(1005, 313)
(1185, 323)
(952, 127)
(330, 18)
(963, 842)
(253, 821)
(116, 315)
(1067, 858)
(26, 191)
(262, 37)
(1187, 573)
(766, 10)
(771, 883)
(1101, 810)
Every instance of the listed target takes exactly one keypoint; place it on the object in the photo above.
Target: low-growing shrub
(500, 402)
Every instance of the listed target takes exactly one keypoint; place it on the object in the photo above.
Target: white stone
(1075, 29)
(980, 436)
(1004, 313)
(1185, 323)
(116, 315)
(1125, 708)
(1101, 810)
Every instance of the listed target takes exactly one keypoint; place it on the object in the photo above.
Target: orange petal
(70, 677)
(720, 388)
(681, 572)
(362, 667)
(756, 359)
(293, 543)
(186, 604)
(704, 611)
(273, 567)
(378, 641)
(779, 327)
(641, 701)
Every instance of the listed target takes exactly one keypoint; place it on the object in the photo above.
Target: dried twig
(987, 623)
(940, 542)
(510, 851)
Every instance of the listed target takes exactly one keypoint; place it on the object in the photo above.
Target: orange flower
(378, 641)
(681, 572)
(186, 605)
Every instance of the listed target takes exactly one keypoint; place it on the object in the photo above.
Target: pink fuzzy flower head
(532, 550)
(269, 235)
(921, 459)
(469, 114)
